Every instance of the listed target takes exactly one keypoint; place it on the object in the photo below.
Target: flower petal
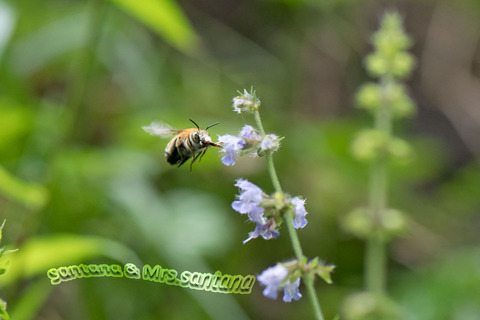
(272, 278)
(291, 291)
(299, 221)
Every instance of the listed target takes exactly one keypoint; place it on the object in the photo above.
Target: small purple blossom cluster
(246, 102)
(264, 210)
(275, 279)
(248, 140)
(286, 276)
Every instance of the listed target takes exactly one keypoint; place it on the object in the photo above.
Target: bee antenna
(195, 124)
(214, 124)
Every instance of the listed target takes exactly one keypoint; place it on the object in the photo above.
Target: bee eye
(195, 137)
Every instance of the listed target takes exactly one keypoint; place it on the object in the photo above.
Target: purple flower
(265, 228)
(249, 199)
(300, 213)
(291, 291)
(248, 101)
(231, 146)
(272, 279)
(269, 142)
(239, 102)
(248, 132)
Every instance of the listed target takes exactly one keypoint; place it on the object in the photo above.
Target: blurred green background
(81, 182)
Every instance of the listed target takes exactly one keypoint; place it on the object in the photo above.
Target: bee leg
(181, 161)
(202, 154)
(193, 160)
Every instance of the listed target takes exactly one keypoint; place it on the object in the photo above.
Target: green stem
(270, 164)
(312, 296)
(307, 277)
(297, 248)
(258, 120)
(375, 266)
(375, 257)
(273, 173)
(375, 246)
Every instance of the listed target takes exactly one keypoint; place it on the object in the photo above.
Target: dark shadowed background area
(81, 182)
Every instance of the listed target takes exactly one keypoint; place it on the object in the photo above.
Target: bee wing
(160, 129)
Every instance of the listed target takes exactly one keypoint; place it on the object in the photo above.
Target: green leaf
(166, 18)
(358, 223)
(4, 251)
(3, 311)
(324, 272)
(369, 144)
(1, 228)
(31, 194)
(39, 254)
(390, 56)
(31, 300)
(4, 266)
(315, 266)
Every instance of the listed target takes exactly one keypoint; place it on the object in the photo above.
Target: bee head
(202, 137)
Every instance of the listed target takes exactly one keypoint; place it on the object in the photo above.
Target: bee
(186, 144)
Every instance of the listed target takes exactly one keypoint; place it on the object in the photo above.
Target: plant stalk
(375, 257)
(297, 248)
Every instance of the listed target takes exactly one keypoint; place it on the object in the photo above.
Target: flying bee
(186, 144)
